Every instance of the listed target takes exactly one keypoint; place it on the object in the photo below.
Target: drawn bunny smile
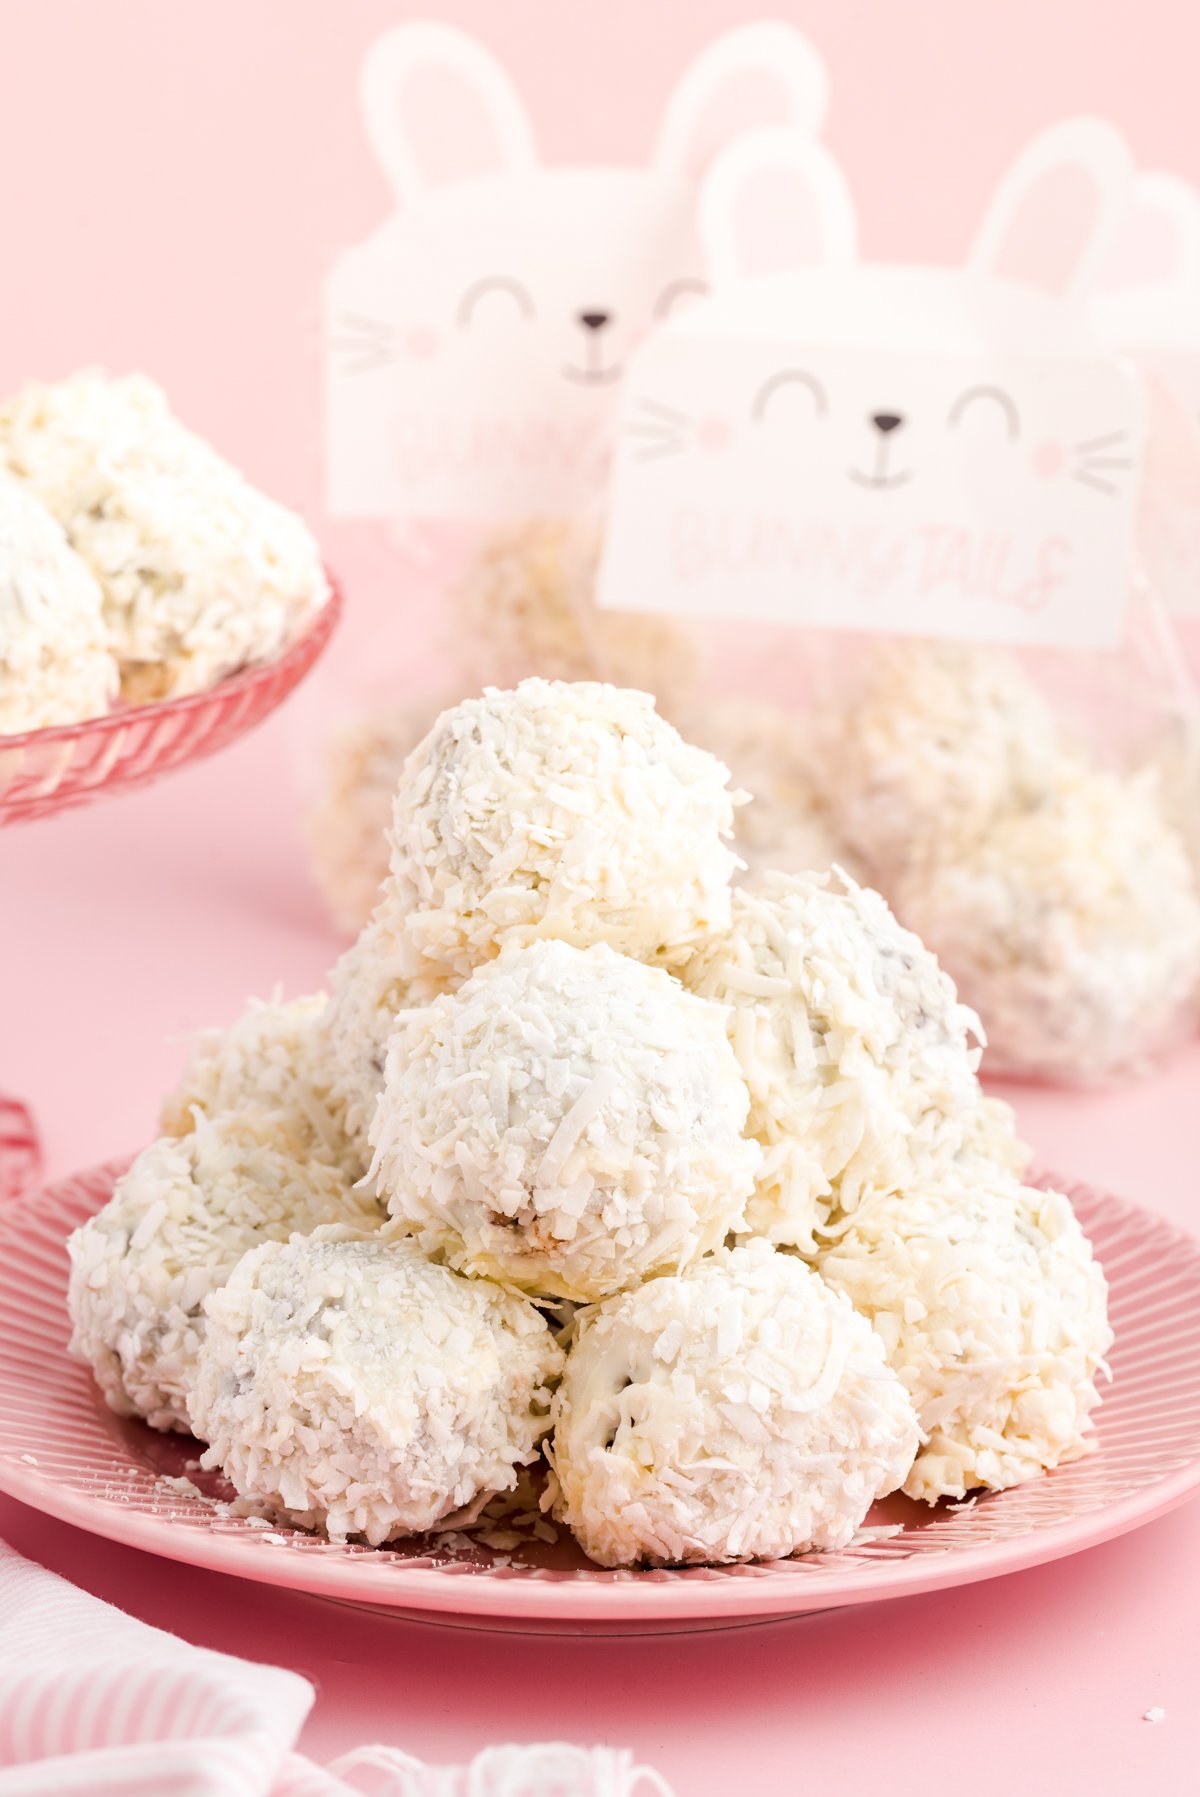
(596, 372)
(884, 423)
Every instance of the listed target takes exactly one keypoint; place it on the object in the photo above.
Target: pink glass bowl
(64, 1452)
(43, 771)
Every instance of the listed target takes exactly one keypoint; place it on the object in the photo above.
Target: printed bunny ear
(773, 201)
(1159, 241)
(438, 107)
(1053, 217)
(758, 75)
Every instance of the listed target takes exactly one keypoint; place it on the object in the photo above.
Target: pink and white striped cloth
(96, 1704)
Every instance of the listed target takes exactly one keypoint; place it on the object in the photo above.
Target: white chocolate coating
(852, 1042)
(201, 574)
(1073, 929)
(737, 1411)
(992, 1310)
(569, 1121)
(348, 1385)
(177, 1224)
(561, 811)
(56, 662)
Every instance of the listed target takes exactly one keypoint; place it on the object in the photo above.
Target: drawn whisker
(1106, 442)
(655, 453)
(370, 327)
(670, 413)
(1093, 480)
(665, 432)
(1107, 461)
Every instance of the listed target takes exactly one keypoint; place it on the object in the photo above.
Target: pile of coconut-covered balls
(135, 563)
(588, 1154)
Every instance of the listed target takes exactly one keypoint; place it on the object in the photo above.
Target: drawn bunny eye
(688, 287)
(992, 396)
(767, 394)
(479, 290)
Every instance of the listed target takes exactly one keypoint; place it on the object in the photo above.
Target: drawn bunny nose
(594, 321)
(887, 421)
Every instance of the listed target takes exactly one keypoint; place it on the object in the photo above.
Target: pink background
(176, 179)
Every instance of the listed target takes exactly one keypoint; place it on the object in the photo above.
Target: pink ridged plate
(63, 1452)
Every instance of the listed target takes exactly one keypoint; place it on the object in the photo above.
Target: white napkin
(96, 1704)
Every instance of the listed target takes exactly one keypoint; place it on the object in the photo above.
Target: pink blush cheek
(713, 435)
(1048, 459)
(422, 342)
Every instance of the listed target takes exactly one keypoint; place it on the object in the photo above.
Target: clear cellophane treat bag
(476, 344)
(945, 472)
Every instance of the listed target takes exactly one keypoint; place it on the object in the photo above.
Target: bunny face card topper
(476, 342)
(935, 451)
(1148, 307)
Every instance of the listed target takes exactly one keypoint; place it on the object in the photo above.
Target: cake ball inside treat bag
(992, 1310)
(569, 1121)
(571, 811)
(768, 749)
(56, 661)
(347, 823)
(201, 574)
(739, 1410)
(933, 742)
(348, 1385)
(856, 1052)
(526, 605)
(275, 1058)
(1073, 927)
(175, 1227)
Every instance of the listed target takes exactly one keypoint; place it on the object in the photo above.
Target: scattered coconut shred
(574, 1065)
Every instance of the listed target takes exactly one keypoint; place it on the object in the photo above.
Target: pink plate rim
(725, 1595)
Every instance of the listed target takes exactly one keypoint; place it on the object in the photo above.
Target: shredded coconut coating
(853, 1045)
(569, 1121)
(56, 662)
(768, 751)
(526, 605)
(561, 811)
(993, 1312)
(370, 998)
(348, 1385)
(347, 823)
(1073, 928)
(174, 1229)
(937, 741)
(740, 1410)
(275, 1058)
(201, 574)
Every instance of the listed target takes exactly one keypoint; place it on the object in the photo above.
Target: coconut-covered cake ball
(56, 661)
(527, 605)
(569, 1121)
(936, 742)
(739, 1410)
(556, 810)
(348, 1385)
(371, 995)
(1073, 928)
(853, 1045)
(992, 1311)
(201, 574)
(275, 1059)
(175, 1227)
(347, 824)
(767, 749)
